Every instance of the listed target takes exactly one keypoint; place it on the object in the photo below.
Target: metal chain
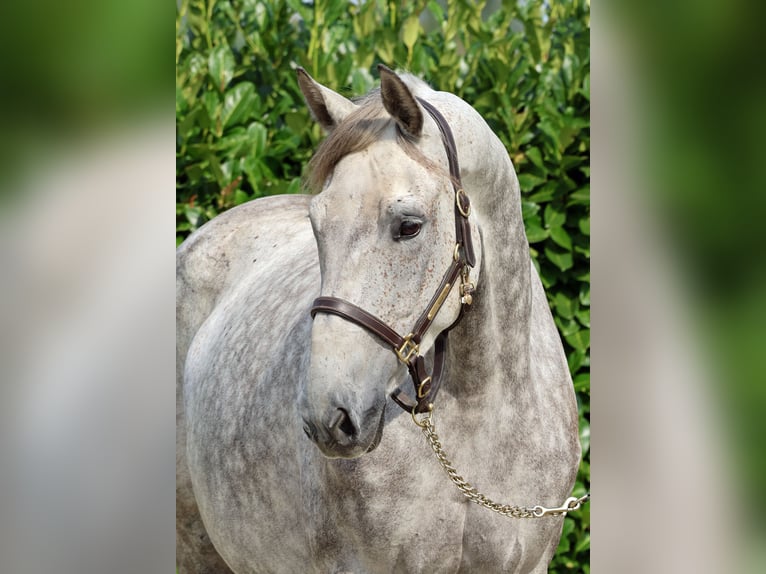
(572, 503)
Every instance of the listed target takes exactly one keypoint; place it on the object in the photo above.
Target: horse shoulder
(219, 255)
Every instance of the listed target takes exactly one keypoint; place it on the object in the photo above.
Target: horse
(296, 348)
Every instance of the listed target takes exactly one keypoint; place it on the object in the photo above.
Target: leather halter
(407, 348)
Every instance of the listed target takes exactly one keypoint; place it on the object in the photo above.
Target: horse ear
(399, 102)
(328, 107)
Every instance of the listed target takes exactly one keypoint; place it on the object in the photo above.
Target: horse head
(384, 224)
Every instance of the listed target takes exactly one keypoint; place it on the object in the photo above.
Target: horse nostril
(309, 431)
(341, 426)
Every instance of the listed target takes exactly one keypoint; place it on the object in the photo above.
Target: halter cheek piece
(407, 348)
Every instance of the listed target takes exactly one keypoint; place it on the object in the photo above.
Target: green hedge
(244, 132)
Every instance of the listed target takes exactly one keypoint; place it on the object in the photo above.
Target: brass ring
(426, 420)
(458, 193)
(456, 253)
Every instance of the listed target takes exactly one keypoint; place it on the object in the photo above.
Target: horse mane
(360, 129)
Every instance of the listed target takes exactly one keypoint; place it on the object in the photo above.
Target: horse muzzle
(341, 434)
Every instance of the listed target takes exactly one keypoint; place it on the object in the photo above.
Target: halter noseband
(407, 349)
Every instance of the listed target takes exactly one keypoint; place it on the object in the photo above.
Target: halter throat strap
(407, 348)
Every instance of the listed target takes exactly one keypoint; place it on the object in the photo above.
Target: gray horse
(292, 456)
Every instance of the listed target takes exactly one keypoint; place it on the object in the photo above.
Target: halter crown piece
(407, 348)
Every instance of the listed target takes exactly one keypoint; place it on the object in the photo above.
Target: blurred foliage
(244, 132)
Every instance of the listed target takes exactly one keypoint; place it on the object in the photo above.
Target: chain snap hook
(570, 504)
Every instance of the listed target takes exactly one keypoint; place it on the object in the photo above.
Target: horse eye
(408, 228)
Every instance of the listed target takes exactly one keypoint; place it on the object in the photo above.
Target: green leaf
(545, 193)
(297, 122)
(193, 215)
(188, 123)
(181, 103)
(410, 31)
(565, 306)
(221, 66)
(585, 295)
(240, 197)
(549, 273)
(561, 237)
(554, 217)
(529, 209)
(575, 360)
(534, 155)
(581, 382)
(386, 46)
(562, 260)
(258, 135)
(553, 136)
(569, 527)
(237, 104)
(194, 172)
(436, 10)
(251, 165)
(235, 143)
(570, 161)
(212, 105)
(581, 196)
(582, 276)
(535, 231)
(583, 249)
(566, 326)
(528, 181)
(584, 225)
(586, 87)
(294, 186)
(585, 438)
(583, 543)
(579, 340)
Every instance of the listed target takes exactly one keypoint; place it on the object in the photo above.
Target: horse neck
(489, 349)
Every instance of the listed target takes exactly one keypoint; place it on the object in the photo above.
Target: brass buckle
(407, 350)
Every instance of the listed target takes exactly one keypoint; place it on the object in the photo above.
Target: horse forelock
(363, 127)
